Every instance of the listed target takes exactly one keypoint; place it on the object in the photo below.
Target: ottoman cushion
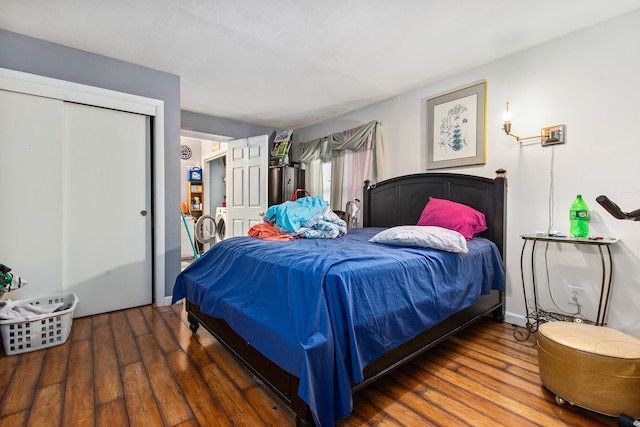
(595, 367)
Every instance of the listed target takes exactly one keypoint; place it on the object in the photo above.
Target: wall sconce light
(551, 135)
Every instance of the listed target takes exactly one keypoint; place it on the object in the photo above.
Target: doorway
(207, 152)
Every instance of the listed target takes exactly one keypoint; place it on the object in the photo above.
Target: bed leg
(193, 323)
(498, 315)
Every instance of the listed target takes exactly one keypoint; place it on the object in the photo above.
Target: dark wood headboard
(400, 200)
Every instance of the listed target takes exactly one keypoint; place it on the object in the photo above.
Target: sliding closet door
(106, 227)
(74, 183)
(31, 192)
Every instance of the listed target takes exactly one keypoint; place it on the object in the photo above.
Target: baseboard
(515, 319)
(167, 300)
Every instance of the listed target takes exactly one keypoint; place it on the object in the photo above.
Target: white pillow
(426, 236)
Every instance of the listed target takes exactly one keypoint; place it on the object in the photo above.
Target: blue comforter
(322, 309)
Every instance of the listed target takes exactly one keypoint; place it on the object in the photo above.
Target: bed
(318, 319)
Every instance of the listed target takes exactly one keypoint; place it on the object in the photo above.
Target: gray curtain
(318, 149)
(331, 148)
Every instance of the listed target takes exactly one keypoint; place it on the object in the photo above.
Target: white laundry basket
(41, 331)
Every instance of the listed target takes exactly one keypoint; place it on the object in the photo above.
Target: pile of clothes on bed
(307, 217)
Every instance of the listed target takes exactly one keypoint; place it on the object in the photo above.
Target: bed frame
(397, 201)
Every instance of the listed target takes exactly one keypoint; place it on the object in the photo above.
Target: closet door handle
(143, 213)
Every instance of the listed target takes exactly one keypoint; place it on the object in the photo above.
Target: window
(326, 181)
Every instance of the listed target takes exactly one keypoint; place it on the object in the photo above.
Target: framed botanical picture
(456, 128)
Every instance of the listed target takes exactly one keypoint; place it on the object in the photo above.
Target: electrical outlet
(577, 295)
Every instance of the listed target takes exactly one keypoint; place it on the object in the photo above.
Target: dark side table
(537, 314)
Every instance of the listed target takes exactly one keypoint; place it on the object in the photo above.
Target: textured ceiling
(291, 63)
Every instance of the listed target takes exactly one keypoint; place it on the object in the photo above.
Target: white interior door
(32, 150)
(75, 180)
(247, 178)
(30, 188)
(106, 228)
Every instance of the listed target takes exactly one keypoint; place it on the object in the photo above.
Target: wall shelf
(195, 198)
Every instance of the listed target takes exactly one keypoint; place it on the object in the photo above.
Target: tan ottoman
(594, 367)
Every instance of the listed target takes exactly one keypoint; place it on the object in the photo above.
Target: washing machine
(212, 229)
(221, 223)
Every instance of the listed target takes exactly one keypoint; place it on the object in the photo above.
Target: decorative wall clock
(185, 152)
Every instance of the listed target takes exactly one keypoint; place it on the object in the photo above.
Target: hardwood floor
(143, 367)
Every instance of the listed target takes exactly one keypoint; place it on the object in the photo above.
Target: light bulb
(506, 116)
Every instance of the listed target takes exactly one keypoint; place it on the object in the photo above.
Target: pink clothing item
(268, 231)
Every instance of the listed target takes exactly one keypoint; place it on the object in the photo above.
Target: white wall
(587, 80)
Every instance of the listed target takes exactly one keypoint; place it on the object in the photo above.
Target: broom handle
(184, 220)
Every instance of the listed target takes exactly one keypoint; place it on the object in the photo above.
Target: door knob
(261, 214)
(143, 213)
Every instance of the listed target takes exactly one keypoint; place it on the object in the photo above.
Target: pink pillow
(454, 216)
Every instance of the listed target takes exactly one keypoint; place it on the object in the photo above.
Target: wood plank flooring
(144, 367)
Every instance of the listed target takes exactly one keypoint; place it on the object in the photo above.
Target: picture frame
(456, 128)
